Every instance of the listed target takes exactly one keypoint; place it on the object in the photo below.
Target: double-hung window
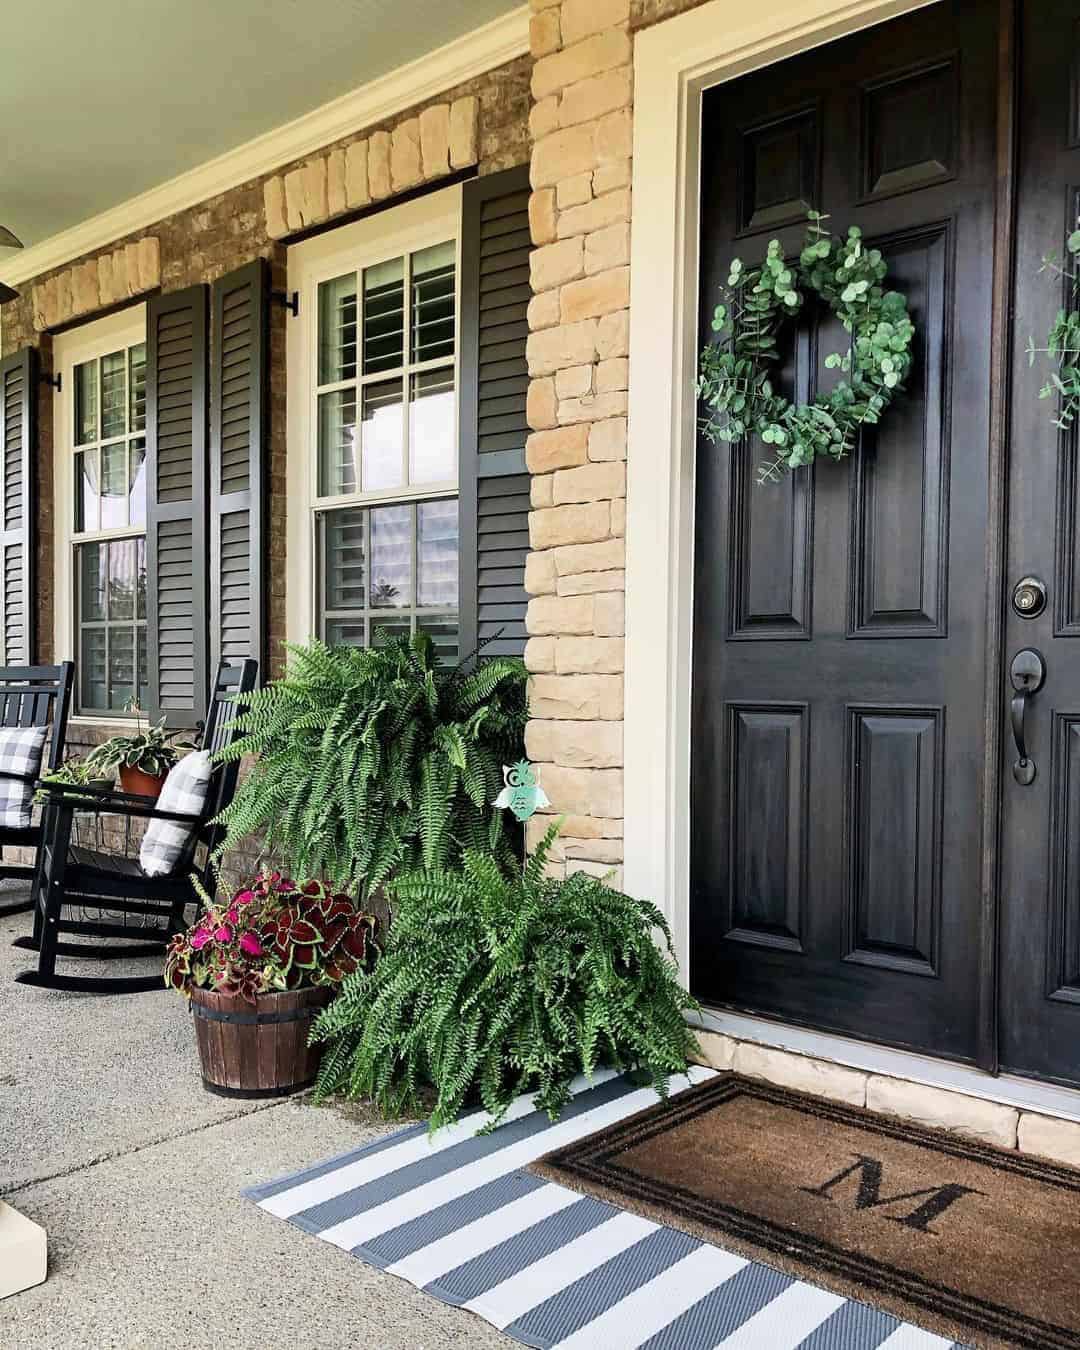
(383, 421)
(107, 471)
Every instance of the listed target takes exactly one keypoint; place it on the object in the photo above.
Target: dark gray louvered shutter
(494, 519)
(18, 447)
(239, 368)
(176, 506)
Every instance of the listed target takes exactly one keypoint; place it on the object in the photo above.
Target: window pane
(93, 675)
(122, 563)
(437, 555)
(337, 443)
(86, 402)
(443, 631)
(113, 395)
(137, 482)
(432, 319)
(143, 668)
(345, 633)
(382, 458)
(385, 626)
(137, 386)
(337, 329)
(391, 557)
(86, 490)
(384, 318)
(121, 666)
(114, 485)
(343, 585)
(431, 427)
(92, 562)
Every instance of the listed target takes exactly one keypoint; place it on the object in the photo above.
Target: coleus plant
(274, 934)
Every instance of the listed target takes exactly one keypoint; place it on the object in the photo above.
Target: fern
(373, 760)
(496, 982)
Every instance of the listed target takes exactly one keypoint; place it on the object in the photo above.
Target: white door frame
(673, 63)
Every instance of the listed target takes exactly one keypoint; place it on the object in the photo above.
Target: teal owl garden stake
(522, 794)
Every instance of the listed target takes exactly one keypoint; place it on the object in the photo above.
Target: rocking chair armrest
(105, 801)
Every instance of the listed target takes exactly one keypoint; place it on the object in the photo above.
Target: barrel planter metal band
(260, 1050)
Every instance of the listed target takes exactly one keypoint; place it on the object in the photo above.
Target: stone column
(579, 212)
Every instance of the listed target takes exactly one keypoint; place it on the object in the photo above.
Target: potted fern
(496, 982)
(373, 761)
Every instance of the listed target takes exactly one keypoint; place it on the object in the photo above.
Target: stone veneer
(581, 125)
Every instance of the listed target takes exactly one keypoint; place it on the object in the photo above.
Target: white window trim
(126, 328)
(673, 63)
(430, 219)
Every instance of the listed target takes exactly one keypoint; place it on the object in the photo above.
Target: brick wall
(581, 122)
(205, 242)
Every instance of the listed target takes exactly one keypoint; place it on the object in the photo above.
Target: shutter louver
(239, 392)
(176, 507)
(495, 294)
(18, 446)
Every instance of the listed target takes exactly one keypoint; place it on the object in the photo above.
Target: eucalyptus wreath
(735, 372)
(1063, 340)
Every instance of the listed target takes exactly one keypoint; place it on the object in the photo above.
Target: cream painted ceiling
(103, 99)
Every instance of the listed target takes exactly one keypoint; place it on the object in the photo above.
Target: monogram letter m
(936, 1199)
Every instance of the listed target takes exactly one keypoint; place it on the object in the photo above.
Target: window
(385, 420)
(108, 527)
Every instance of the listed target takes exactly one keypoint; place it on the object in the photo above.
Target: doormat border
(587, 1166)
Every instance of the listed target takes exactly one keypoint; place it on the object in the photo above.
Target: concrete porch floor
(109, 1141)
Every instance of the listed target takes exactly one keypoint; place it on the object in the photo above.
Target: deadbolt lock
(1029, 597)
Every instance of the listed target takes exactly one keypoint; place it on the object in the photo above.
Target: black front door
(840, 636)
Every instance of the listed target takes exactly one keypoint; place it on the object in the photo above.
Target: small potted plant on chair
(257, 969)
(142, 760)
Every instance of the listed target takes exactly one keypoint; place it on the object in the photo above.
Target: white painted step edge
(23, 1259)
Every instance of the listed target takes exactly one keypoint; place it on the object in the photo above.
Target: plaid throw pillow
(20, 753)
(185, 789)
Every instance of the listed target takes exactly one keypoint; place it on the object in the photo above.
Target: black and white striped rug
(458, 1217)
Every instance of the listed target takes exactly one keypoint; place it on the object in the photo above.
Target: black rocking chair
(33, 696)
(74, 879)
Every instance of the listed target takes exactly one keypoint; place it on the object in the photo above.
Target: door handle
(1027, 673)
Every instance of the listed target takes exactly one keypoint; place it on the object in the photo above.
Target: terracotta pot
(260, 1050)
(135, 780)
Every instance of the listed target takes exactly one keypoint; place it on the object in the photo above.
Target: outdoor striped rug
(458, 1217)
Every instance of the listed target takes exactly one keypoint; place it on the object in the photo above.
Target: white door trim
(673, 62)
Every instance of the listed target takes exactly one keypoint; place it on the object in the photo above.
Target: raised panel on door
(839, 616)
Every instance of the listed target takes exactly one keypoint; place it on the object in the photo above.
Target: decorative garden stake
(522, 794)
(734, 374)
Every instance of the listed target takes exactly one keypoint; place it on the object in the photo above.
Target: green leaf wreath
(1063, 340)
(499, 981)
(735, 372)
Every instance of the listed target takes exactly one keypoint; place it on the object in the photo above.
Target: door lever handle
(1028, 674)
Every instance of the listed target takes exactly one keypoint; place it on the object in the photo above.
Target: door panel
(1040, 890)
(840, 615)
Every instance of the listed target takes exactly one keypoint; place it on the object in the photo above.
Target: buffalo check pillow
(21, 749)
(184, 790)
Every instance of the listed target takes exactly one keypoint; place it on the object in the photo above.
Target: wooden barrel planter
(260, 1050)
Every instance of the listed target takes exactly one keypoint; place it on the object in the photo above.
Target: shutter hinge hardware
(289, 299)
(53, 381)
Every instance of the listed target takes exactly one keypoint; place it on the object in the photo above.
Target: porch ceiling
(99, 102)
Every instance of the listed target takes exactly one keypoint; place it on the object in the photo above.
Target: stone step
(22, 1252)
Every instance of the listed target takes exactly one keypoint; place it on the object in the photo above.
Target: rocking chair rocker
(74, 878)
(33, 696)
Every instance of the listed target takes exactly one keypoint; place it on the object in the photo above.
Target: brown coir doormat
(973, 1242)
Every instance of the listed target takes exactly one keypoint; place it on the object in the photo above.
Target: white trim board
(1025, 1094)
(483, 49)
(673, 63)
